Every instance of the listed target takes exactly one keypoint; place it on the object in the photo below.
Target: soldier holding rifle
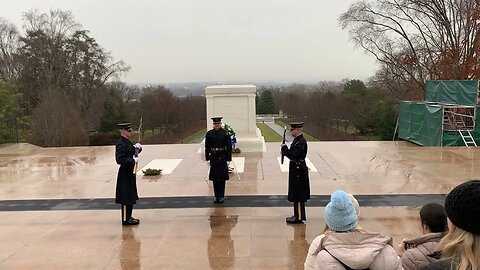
(126, 155)
(298, 181)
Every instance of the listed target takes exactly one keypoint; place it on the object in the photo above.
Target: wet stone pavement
(57, 209)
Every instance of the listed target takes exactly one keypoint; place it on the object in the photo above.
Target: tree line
(331, 110)
(58, 86)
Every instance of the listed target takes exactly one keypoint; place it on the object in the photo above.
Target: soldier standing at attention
(298, 181)
(126, 155)
(218, 150)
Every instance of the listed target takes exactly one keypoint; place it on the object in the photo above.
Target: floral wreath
(232, 133)
(229, 129)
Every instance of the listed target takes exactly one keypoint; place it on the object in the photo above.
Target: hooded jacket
(419, 255)
(357, 250)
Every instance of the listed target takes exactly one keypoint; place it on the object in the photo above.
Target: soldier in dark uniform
(126, 155)
(218, 150)
(298, 181)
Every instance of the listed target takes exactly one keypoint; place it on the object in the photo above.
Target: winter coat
(356, 249)
(218, 150)
(126, 190)
(419, 251)
(298, 180)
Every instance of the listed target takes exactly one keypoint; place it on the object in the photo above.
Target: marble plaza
(57, 211)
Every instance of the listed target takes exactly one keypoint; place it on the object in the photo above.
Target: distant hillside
(198, 88)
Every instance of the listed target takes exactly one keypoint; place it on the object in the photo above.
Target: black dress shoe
(218, 200)
(293, 220)
(135, 219)
(131, 221)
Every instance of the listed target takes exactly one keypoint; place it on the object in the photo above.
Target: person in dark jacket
(417, 252)
(298, 181)
(460, 248)
(218, 151)
(126, 155)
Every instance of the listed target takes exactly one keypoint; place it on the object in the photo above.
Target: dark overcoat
(298, 181)
(218, 150)
(126, 190)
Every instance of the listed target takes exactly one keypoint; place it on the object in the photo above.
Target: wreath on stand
(233, 138)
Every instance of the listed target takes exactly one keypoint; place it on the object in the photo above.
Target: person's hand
(138, 146)
(136, 159)
(401, 247)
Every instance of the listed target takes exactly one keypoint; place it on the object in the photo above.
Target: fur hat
(463, 206)
(340, 214)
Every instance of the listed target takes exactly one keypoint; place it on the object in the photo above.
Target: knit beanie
(463, 206)
(340, 214)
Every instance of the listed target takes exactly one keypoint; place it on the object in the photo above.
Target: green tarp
(420, 123)
(461, 92)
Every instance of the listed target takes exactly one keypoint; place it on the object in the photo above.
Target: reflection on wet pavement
(220, 245)
(129, 256)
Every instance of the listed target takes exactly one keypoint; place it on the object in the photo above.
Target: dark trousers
(299, 211)
(126, 211)
(219, 189)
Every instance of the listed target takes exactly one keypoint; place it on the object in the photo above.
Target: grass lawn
(307, 136)
(194, 136)
(146, 134)
(269, 134)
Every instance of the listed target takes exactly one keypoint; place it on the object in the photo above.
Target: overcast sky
(165, 41)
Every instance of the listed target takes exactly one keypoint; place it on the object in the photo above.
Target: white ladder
(467, 138)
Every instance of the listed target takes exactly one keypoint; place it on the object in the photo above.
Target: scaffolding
(447, 117)
(461, 119)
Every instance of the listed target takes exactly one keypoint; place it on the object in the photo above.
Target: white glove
(138, 146)
(136, 159)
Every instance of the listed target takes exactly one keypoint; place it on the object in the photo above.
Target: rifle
(235, 169)
(283, 142)
(139, 139)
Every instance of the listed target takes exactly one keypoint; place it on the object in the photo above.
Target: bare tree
(9, 44)
(55, 123)
(417, 40)
(56, 55)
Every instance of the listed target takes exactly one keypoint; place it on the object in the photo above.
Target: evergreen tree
(113, 111)
(266, 104)
(10, 120)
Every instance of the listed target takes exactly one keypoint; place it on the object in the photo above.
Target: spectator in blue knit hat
(460, 248)
(345, 246)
